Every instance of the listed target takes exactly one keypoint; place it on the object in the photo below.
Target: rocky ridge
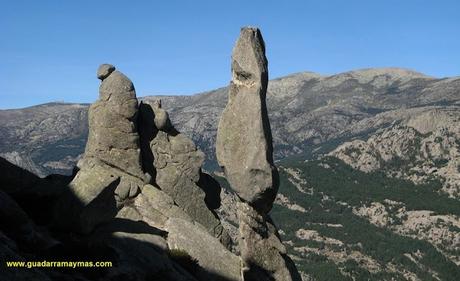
(320, 109)
(420, 148)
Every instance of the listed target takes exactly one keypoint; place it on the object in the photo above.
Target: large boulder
(95, 195)
(244, 142)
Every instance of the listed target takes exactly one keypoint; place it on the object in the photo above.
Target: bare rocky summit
(152, 220)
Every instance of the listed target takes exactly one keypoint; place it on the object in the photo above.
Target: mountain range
(307, 111)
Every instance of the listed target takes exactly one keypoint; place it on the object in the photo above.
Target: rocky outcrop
(420, 148)
(113, 136)
(139, 191)
(218, 263)
(244, 144)
(440, 230)
(117, 163)
(263, 254)
(174, 163)
(244, 151)
(110, 171)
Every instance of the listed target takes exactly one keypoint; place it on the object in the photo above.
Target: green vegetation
(357, 188)
(322, 269)
(342, 184)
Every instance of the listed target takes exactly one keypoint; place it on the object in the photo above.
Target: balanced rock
(244, 151)
(244, 141)
(104, 71)
(113, 136)
(110, 172)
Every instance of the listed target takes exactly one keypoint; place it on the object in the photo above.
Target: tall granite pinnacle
(244, 151)
(244, 141)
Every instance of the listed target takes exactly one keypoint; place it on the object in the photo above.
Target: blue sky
(50, 50)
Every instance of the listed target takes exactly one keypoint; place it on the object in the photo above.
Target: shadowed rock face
(244, 150)
(174, 163)
(244, 141)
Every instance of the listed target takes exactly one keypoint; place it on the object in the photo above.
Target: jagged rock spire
(244, 151)
(244, 141)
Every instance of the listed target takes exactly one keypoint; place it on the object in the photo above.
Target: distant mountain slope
(306, 109)
(46, 138)
(344, 224)
(339, 223)
(420, 148)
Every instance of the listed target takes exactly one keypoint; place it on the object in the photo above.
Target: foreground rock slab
(218, 263)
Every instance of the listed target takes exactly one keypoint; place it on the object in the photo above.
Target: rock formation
(420, 148)
(111, 169)
(244, 145)
(140, 181)
(139, 197)
(176, 166)
(113, 135)
(244, 151)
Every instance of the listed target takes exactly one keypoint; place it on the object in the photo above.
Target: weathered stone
(154, 207)
(218, 262)
(262, 251)
(113, 136)
(141, 251)
(244, 151)
(126, 189)
(110, 172)
(244, 141)
(161, 120)
(104, 71)
(176, 166)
